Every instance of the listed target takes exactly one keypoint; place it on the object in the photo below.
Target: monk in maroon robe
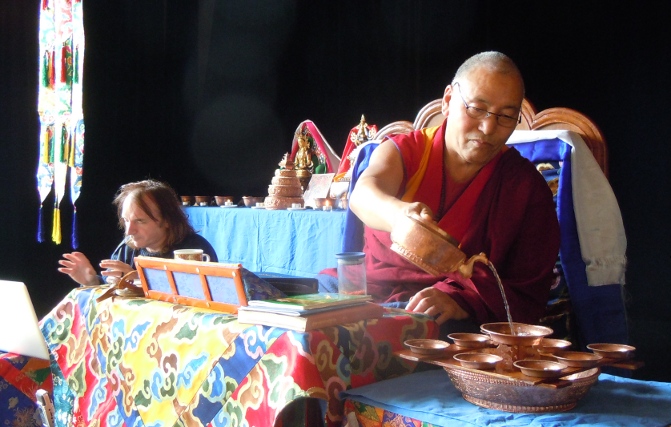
(462, 176)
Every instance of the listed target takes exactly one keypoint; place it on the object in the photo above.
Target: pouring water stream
(503, 295)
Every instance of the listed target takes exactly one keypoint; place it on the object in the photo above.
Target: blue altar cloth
(295, 243)
(431, 397)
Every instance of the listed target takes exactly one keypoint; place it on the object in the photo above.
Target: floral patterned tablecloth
(139, 362)
(20, 377)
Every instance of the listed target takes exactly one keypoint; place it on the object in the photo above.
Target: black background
(206, 95)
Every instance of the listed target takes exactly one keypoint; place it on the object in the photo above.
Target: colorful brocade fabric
(139, 362)
(372, 416)
(20, 378)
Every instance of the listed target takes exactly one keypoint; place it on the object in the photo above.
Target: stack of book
(311, 311)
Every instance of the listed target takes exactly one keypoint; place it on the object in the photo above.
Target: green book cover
(311, 301)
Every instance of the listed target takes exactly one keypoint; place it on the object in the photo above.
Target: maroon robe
(513, 221)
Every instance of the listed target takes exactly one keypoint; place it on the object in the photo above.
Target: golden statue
(303, 159)
(364, 132)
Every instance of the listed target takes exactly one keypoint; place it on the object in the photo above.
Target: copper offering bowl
(203, 199)
(221, 200)
(612, 351)
(430, 248)
(426, 346)
(250, 201)
(551, 345)
(540, 368)
(468, 340)
(477, 360)
(512, 395)
(578, 359)
(320, 202)
(186, 200)
(524, 334)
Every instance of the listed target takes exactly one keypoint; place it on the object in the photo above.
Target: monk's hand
(437, 304)
(113, 270)
(418, 209)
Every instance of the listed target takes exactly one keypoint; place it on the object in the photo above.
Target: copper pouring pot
(430, 248)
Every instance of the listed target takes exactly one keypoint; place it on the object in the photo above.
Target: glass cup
(351, 273)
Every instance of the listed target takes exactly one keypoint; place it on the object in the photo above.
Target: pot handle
(466, 269)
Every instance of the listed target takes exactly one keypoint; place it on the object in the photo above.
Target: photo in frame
(318, 187)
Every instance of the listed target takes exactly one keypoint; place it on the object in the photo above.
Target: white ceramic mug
(191, 255)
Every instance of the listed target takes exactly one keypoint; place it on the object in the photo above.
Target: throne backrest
(551, 118)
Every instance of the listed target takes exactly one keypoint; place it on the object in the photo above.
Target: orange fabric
(457, 220)
(415, 181)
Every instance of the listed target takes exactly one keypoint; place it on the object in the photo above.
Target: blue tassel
(40, 225)
(75, 239)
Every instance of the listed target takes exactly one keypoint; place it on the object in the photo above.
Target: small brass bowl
(203, 200)
(221, 200)
(552, 345)
(250, 201)
(186, 200)
(540, 368)
(320, 202)
(612, 351)
(577, 359)
(524, 334)
(468, 340)
(426, 346)
(477, 360)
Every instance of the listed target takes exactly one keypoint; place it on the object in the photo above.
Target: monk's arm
(373, 198)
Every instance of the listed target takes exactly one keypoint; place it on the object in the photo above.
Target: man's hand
(79, 268)
(437, 304)
(113, 270)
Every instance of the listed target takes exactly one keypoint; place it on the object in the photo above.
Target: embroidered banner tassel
(45, 69)
(63, 155)
(71, 150)
(75, 237)
(52, 69)
(40, 225)
(46, 145)
(56, 229)
(66, 62)
(75, 66)
(64, 56)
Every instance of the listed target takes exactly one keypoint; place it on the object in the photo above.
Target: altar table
(20, 377)
(429, 399)
(296, 243)
(139, 362)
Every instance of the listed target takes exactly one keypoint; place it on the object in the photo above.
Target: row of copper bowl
(248, 201)
(508, 393)
(555, 355)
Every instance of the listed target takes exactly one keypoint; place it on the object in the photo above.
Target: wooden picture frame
(211, 285)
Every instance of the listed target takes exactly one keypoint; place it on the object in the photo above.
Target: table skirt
(429, 399)
(138, 362)
(20, 377)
